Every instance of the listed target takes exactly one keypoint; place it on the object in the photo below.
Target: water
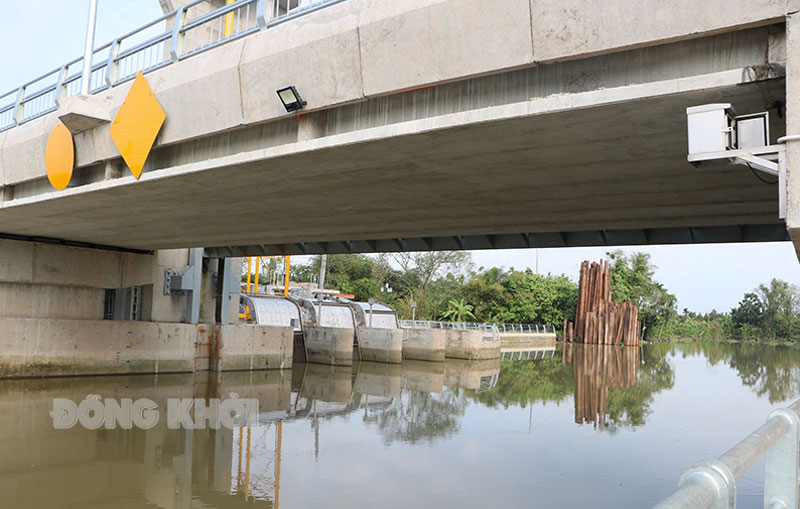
(587, 427)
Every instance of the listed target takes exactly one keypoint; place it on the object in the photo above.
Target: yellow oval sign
(59, 157)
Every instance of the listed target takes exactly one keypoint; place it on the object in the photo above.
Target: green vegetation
(446, 286)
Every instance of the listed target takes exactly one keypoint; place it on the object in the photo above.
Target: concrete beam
(81, 113)
(793, 129)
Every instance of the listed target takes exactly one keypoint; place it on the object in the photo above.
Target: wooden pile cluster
(598, 319)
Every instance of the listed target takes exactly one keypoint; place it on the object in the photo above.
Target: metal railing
(515, 328)
(712, 484)
(177, 35)
(489, 328)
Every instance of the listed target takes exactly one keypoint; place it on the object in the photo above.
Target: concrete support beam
(793, 129)
(83, 112)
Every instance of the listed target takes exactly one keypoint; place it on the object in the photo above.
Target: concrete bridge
(429, 125)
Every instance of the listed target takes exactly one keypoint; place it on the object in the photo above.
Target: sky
(40, 36)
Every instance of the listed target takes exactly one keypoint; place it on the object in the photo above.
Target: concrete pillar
(793, 128)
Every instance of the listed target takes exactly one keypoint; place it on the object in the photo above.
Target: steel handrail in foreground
(712, 483)
(148, 48)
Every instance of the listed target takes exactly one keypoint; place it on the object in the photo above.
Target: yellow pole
(258, 264)
(286, 278)
(229, 20)
(249, 270)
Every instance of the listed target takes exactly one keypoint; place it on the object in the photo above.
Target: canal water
(575, 427)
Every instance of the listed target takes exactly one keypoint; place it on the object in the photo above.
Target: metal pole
(323, 267)
(89, 48)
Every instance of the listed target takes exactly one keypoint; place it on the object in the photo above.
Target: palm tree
(458, 309)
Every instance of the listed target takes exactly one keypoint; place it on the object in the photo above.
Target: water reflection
(401, 407)
(771, 371)
(596, 369)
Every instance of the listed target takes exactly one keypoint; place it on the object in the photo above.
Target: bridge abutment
(67, 310)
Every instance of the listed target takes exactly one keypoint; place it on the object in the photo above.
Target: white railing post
(61, 87)
(112, 66)
(782, 469)
(261, 14)
(178, 37)
(19, 106)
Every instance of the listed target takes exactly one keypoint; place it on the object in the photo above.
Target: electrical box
(710, 128)
(752, 131)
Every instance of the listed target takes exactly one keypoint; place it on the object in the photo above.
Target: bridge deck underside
(616, 173)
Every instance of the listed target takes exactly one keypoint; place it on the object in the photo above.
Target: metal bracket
(782, 469)
(758, 163)
(717, 475)
(770, 159)
(177, 282)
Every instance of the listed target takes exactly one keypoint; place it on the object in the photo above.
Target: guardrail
(164, 41)
(514, 328)
(489, 328)
(712, 483)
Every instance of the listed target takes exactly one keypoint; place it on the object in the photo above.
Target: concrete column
(793, 128)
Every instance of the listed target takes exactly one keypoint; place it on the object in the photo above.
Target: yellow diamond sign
(136, 125)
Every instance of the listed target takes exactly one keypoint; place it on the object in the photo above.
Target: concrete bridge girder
(568, 114)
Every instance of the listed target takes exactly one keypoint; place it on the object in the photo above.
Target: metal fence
(713, 483)
(510, 328)
(489, 328)
(180, 34)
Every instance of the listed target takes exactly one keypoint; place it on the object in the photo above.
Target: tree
(781, 304)
(632, 280)
(749, 312)
(771, 311)
(457, 310)
(521, 297)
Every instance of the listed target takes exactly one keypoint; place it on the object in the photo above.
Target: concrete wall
(470, 344)
(49, 264)
(424, 344)
(43, 347)
(33, 347)
(21, 300)
(56, 281)
(250, 347)
(380, 345)
(327, 345)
